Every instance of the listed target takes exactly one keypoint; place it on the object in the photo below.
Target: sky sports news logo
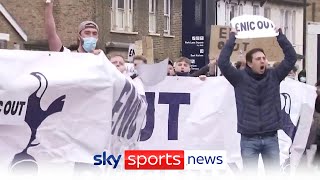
(166, 160)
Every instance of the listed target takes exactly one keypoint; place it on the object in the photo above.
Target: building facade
(121, 22)
(286, 14)
(313, 10)
(170, 23)
(313, 41)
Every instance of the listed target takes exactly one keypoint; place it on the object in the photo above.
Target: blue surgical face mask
(89, 44)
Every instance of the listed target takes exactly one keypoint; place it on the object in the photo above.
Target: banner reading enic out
(187, 113)
(253, 26)
(64, 108)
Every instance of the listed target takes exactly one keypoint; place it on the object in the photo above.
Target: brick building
(120, 21)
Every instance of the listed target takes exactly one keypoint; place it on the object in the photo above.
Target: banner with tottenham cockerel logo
(63, 108)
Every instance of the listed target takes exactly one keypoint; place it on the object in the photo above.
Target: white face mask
(303, 79)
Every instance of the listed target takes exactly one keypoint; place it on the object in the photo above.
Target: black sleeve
(289, 57)
(61, 49)
(203, 71)
(317, 105)
(227, 69)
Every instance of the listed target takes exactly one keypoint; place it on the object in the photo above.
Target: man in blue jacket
(257, 92)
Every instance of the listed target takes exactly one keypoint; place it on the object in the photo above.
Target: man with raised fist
(88, 33)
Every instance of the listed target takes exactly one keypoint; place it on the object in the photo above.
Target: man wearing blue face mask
(87, 37)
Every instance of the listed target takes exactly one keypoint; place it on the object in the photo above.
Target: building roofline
(13, 23)
(290, 2)
(262, 2)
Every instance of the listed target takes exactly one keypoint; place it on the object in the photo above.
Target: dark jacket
(203, 71)
(257, 96)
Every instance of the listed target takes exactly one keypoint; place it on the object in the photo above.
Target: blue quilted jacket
(257, 99)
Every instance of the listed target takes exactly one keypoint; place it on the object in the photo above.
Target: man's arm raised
(54, 40)
(228, 71)
(290, 58)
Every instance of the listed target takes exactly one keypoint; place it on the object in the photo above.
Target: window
(152, 16)
(282, 18)
(4, 38)
(121, 15)
(3, 44)
(287, 24)
(240, 10)
(267, 12)
(293, 27)
(233, 10)
(256, 10)
(167, 13)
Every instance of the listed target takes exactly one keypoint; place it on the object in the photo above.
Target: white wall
(313, 30)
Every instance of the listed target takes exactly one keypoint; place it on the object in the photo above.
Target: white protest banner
(186, 113)
(79, 105)
(73, 106)
(253, 26)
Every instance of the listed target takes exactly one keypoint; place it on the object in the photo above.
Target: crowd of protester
(88, 35)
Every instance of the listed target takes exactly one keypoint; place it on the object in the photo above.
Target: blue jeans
(267, 146)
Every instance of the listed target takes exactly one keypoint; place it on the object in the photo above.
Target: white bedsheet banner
(186, 113)
(63, 108)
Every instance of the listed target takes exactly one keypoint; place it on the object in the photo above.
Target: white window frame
(267, 12)
(288, 24)
(282, 19)
(255, 9)
(167, 17)
(238, 11)
(126, 13)
(234, 10)
(294, 18)
(4, 38)
(152, 16)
